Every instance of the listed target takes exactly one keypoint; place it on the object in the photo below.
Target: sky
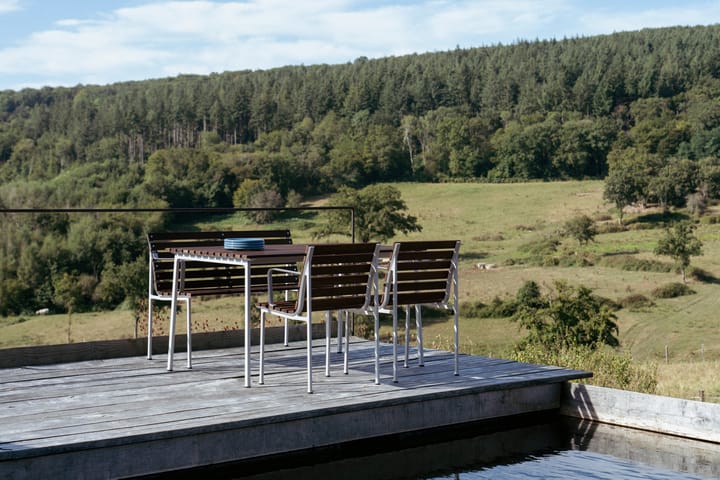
(71, 42)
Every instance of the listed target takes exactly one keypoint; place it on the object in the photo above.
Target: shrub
(568, 316)
(471, 309)
(636, 301)
(610, 228)
(581, 228)
(498, 308)
(610, 368)
(635, 264)
(581, 259)
(540, 250)
(540, 246)
(643, 226)
(672, 290)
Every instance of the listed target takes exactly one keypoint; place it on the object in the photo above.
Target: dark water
(571, 464)
(528, 449)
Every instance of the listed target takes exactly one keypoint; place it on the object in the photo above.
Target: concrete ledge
(302, 431)
(672, 416)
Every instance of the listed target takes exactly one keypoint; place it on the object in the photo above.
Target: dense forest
(555, 109)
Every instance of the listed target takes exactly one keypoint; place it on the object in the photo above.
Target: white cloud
(9, 6)
(162, 38)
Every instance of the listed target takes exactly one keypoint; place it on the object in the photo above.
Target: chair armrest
(269, 279)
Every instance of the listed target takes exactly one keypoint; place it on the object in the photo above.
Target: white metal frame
(303, 313)
(178, 273)
(153, 294)
(390, 305)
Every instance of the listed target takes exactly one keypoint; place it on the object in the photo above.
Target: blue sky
(70, 42)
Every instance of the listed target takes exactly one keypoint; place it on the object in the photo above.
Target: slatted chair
(204, 279)
(333, 277)
(421, 273)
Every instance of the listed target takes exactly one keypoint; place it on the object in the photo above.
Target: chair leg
(287, 328)
(328, 338)
(457, 341)
(309, 354)
(339, 332)
(418, 321)
(189, 333)
(407, 336)
(346, 319)
(261, 377)
(149, 341)
(394, 344)
(377, 346)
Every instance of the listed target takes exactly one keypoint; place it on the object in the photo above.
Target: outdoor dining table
(269, 255)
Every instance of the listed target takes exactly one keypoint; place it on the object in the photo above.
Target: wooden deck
(127, 417)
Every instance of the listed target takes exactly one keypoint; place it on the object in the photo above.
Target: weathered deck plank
(129, 416)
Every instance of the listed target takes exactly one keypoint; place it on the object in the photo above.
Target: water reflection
(524, 448)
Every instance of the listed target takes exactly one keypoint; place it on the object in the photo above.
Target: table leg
(247, 324)
(173, 315)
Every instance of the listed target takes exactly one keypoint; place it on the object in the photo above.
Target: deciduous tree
(379, 214)
(680, 243)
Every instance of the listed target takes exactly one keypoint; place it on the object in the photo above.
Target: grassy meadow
(498, 225)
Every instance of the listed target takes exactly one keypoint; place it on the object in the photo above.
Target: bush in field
(498, 308)
(672, 290)
(610, 228)
(636, 301)
(609, 368)
(567, 317)
(635, 264)
(581, 228)
(540, 251)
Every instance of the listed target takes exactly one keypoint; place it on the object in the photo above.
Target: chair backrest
(339, 276)
(204, 278)
(421, 272)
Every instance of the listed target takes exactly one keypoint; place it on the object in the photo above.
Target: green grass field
(494, 221)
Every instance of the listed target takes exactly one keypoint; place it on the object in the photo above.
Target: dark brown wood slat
(415, 298)
(319, 270)
(341, 248)
(415, 275)
(424, 265)
(166, 244)
(421, 286)
(190, 284)
(429, 245)
(341, 258)
(326, 281)
(340, 290)
(413, 255)
(341, 303)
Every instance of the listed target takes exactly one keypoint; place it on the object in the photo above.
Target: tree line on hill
(541, 110)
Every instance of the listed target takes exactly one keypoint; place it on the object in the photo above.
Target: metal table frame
(271, 254)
